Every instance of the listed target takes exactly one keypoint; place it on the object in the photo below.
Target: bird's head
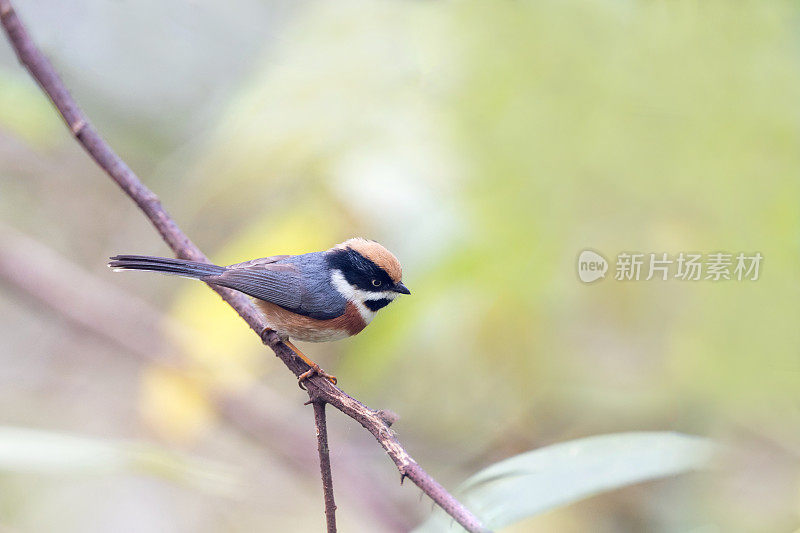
(365, 272)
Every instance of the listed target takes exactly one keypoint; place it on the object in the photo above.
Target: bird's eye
(376, 283)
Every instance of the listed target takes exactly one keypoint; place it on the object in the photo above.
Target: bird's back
(318, 297)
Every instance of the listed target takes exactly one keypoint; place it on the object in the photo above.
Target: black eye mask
(359, 271)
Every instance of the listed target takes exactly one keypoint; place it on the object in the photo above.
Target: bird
(315, 297)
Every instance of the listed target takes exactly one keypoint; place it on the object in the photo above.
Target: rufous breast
(303, 328)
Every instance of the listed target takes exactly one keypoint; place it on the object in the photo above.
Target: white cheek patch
(341, 285)
(385, 295)
(358, 296)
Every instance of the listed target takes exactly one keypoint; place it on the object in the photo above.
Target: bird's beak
(402, 289)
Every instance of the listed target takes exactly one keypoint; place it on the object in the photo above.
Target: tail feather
(166, 265)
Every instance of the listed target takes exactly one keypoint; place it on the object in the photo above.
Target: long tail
(180, 267)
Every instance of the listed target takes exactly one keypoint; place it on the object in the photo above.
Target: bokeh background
(486, 144)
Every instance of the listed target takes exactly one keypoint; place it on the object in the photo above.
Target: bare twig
(325, 464)
(47, 78)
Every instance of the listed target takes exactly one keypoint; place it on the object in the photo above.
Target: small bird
(315, 297)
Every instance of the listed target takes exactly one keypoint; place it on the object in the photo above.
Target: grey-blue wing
(280, 285)
(297, 283)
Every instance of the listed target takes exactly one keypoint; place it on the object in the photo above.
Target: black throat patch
(374, 305)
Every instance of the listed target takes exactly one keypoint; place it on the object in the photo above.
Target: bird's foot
(315, 370)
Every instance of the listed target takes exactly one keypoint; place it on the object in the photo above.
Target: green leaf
(33, 451)
(540, 480)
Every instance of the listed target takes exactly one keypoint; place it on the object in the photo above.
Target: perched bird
(315, 297)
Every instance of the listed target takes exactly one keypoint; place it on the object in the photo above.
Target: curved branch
(321, 390)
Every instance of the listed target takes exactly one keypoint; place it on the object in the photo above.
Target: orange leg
(315, 368)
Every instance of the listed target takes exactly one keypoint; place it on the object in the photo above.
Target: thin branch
(47, 78)
(325, 464)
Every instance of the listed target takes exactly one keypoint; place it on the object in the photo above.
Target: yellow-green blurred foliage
(487, 144)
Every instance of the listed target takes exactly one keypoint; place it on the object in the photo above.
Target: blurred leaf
(174, 405)
(26, 112)
(43, 452)
(28, 450)
(540, 480)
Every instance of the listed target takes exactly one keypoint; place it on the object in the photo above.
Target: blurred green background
(486, 144)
